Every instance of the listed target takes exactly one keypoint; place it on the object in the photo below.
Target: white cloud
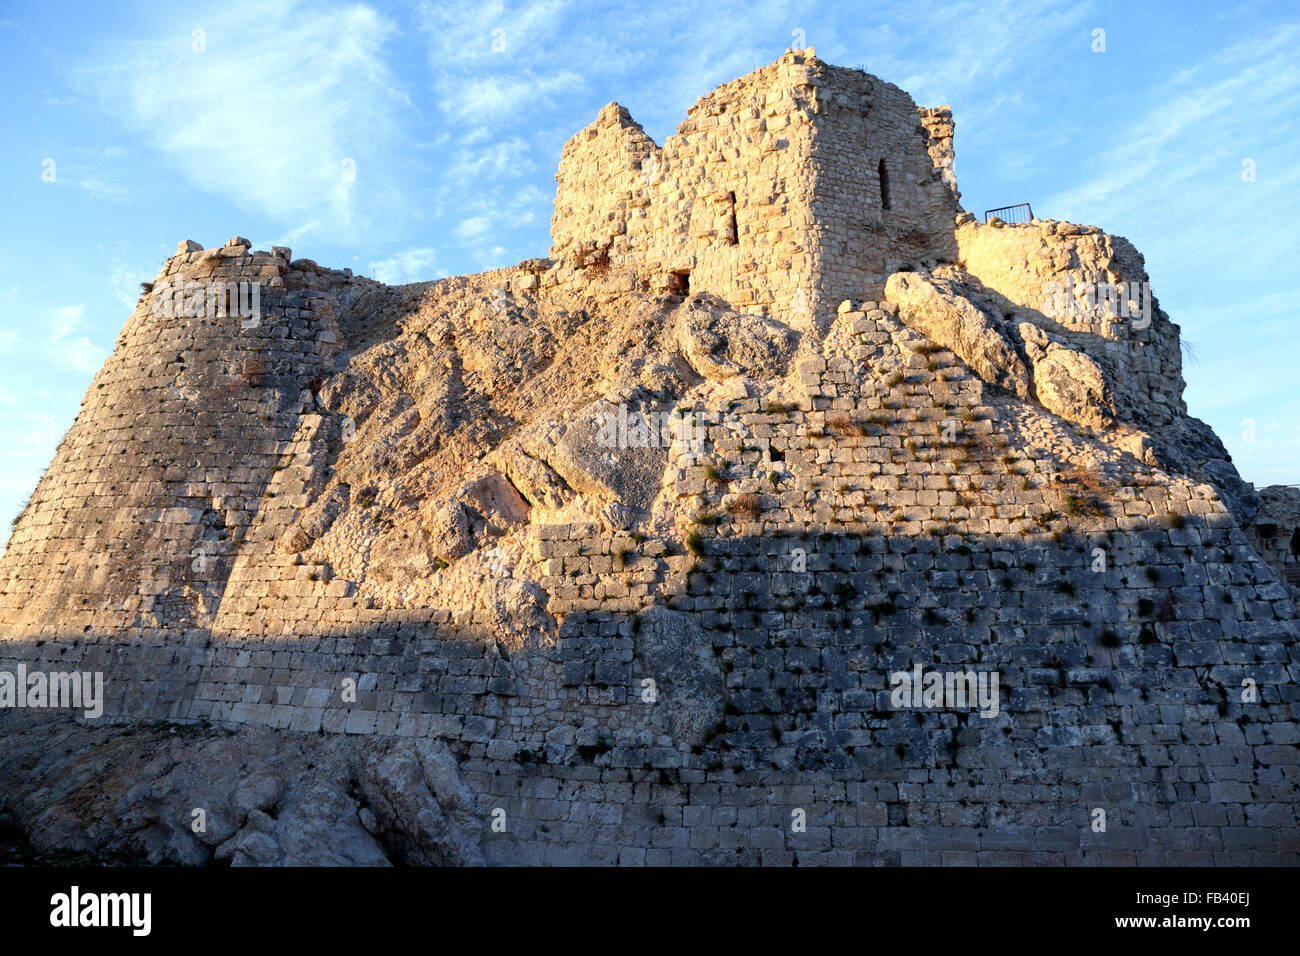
(503, 97)
(1168, 144)
(412, 265)
(493, 215)
(68, 348)
(65, 320)
(55, 338)
(474, 228)
(81, 355)
(270, 113)
(45, 436)
(509, 157)
(125, 282)
(493, 61)
(101, 188)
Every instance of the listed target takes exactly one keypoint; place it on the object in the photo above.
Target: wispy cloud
(273, 106)
(1153, 158)
(66, 345)
(1170, 176)
(55, 337)
(492, 61)
(125, 281)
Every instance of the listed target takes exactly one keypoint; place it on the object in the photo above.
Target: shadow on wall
(913, 699)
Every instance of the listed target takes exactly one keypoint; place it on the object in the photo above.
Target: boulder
(425, 807)
(448, 527)
(1066, 381)
(614, 451)
(940, 310)
(403, 552)
(537, 481)
(495, 500)
(515, 613)
(720, 342)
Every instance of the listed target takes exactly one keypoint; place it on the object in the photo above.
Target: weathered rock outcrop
(937, 309)
(720, 343)
(172, 794)
(1068, 382)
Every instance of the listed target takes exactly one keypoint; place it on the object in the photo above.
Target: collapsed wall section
(784, 191)
(722, 207)
(1058, 276)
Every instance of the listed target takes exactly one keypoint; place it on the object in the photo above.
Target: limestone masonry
(615, 556)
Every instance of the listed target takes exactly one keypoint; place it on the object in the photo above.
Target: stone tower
(137, 518)
(784, 192)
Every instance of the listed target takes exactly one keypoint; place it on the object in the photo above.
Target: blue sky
(410, 141)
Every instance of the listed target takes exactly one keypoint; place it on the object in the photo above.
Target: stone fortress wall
(179, 435)
(1275, 533)
(782, 701)
(892, 498)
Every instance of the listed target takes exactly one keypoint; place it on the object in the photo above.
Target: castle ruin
(383, 526)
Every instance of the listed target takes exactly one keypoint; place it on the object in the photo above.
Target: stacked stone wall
(155, 485)
(675, 685)
(880, 546)
(881, 201)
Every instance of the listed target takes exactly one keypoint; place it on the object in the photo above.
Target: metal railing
(1020, 212)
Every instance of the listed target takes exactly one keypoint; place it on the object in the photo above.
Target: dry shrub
(1087, 478)
(841, 424)
(744, 506)
(596, 260)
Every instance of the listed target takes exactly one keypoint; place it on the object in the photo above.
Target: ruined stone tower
(439, 552)
(784, 192)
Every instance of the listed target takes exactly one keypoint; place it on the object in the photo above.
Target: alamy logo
(1098, 299)
(626, 429)
(38, 690)
(75, 909)
(948, 690)
(209, 300)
